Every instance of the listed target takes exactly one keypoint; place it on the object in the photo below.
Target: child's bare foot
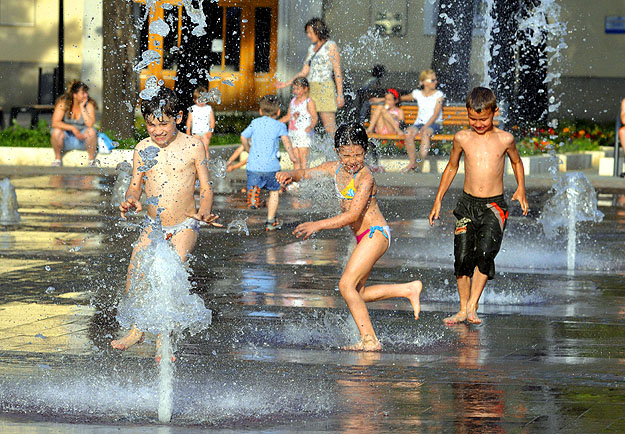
(473, 318)
(133, 337)
(415, 292)
(455, 319)
(368, 343)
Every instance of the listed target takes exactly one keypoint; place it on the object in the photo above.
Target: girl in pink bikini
(386, 119)
(356, 189)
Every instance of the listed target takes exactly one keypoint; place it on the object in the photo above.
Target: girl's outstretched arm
(288, 176)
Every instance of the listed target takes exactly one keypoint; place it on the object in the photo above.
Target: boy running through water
(481, 212)
(166, 165)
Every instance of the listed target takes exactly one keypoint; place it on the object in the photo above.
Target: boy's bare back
(171, 174)
(484, 160)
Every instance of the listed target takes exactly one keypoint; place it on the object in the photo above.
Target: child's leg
(134, 335)
(206, 141)
(303, 157)
(425, 144)
(464, 291)
(353, 290)
(272, 205)
(621, 137)
(375, 117)
(478, 282)
(390, 123)
(411, 133)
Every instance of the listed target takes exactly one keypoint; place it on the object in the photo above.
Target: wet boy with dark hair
(481, 212)
(166, 165)
(265, 133)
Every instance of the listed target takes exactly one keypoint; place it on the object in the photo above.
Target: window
(232, 54)
(262, 39)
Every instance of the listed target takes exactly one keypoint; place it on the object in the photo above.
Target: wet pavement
(549, 356)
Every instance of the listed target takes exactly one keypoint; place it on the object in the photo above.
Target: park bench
(454, 117)
(45, 100)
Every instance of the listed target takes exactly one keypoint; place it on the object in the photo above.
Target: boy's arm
(314, 117)
(189, 123)
(519, 174)
(235, 154)
(133, 194)
(206, 190)
(356, 209)
(447, 178)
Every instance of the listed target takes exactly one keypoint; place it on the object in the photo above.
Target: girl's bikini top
(349, 191)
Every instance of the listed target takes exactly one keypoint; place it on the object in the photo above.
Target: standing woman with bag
(322, 68)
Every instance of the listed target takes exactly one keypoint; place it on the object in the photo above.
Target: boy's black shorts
(480, 222)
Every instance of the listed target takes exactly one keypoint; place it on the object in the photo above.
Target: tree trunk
(452, 47)
(119, 56)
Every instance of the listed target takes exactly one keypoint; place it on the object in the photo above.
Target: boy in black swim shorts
(481, 212)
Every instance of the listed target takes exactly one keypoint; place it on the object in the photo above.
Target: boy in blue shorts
(263, 161)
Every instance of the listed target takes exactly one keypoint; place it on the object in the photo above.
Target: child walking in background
(429, 118)
(265, 133)
(481, 212)
(201, 119)
(356, 189)
(166, 165)
(301, 118)
(386, 119)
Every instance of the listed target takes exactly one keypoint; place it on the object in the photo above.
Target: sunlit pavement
(549, 356)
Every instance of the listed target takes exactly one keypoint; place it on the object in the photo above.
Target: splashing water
(159, 302)
(217, 166)
(575, 200)
(122, 182)
(543, 25)
(240, 225)
(8, 204)
(159, 27)
(151, 88)
(488, 40)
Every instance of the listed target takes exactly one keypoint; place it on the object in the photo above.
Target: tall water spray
(575, 200)
(159, 302)
(8, 204)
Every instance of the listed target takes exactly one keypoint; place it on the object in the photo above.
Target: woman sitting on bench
(72, 123)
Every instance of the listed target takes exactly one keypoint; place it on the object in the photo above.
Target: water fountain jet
(8, 204)
(575, 200)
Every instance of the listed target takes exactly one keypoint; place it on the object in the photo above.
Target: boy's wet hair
(352, 133)
(301, 82)
(199, 91)
(319, 28)
(270, 105)
(164, 103)
(480, 99)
